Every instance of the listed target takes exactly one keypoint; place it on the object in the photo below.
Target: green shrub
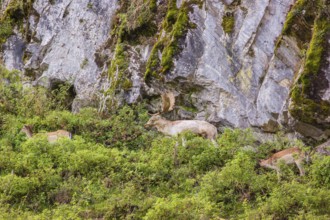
(235, 184)
(290, 200)
(176, 207)
(320, 171)
(115, 169)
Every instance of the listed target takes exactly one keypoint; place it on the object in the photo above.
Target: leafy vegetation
(115, 169)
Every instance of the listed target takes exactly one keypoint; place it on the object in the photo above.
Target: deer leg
(278, 172)
(214, 143)
(300, 167)
(278, 175)
(183, 141)
(175, 155)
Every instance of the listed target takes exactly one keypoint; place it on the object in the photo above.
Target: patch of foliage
(115, 169)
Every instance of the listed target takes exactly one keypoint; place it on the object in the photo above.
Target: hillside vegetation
(115, 169)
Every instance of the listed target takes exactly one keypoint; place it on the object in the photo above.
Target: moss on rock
(300, 20)
(133, 20)
(228, 23)
(15, 13)
(306, 106)
(175, 26)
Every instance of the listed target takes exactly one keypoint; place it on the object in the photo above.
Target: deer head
(153, 120)
(27, 129)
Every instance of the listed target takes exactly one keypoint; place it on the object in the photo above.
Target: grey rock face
(3, 5)
(326, 69)
(66, 37)
(324, 148)
(245, 82)
(14, 47)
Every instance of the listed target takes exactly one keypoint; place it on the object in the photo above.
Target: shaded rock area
(324, 149)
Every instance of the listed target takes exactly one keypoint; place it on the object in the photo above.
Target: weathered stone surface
(3, 5)
(325, 93)
(244, 82)
(14, 47)
(66, 37)
(309, 131)
(324, 148)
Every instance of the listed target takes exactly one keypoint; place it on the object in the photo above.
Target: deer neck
(28, 133)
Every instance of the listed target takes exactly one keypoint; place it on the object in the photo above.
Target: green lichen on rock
(228, 23)
(118, 65)
(174, 27)
(119, 62)
(153, 62)
(308, 23)
(138, 14)
(228, 20)
(139, 21)
(306, 106)
(300, 20)
(6, 29)
(134, 20)
(178, 30)
(14, 14)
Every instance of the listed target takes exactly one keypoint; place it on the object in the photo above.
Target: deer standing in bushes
(288, 156)
(51, 136)
(173, 128)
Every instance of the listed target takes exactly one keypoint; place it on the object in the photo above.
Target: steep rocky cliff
(240, 63)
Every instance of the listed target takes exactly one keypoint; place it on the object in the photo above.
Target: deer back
(289, 155)
(55, 135)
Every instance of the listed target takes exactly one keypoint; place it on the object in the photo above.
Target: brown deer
(288, 156)
(173, 128)
(51, 136)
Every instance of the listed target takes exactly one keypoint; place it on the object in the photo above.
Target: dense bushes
(115, 169)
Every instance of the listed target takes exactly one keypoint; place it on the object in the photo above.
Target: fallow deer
(51, 136)
(288, 156)
(173, 128)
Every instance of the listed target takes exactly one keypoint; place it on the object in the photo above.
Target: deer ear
(168, 101)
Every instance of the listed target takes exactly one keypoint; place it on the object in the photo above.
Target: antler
(168, 101)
